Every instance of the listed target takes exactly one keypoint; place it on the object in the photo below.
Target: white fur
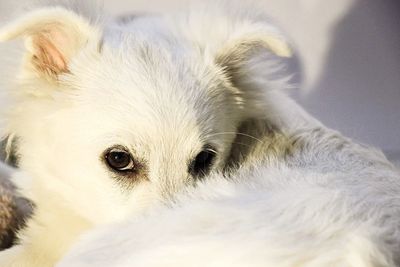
(331, 202)
(164, 87)
(278, 217)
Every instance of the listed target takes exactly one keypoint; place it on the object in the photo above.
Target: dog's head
(110, 118)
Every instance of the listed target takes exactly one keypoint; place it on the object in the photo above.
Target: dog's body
(178, 98)
(303, 196)
(306, 211)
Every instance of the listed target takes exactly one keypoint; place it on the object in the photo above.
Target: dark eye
(202, 163)
(119, 160)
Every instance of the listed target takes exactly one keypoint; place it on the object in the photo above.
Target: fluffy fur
(166, 87)
(305, 196)
(13, 209)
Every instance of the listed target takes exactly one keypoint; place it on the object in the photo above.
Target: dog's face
(111, 120)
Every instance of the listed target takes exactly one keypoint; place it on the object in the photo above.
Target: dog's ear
(256, 58)
(53, 36)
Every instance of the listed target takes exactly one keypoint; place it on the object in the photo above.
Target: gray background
(350, 53)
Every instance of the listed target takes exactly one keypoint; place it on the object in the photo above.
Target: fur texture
(303, 196)
(165, 88)
(13, 209)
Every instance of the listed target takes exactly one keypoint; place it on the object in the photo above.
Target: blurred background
(350, 55)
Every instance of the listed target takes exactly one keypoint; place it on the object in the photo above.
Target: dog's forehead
(149, 84)
(157, 73)
(150, 54)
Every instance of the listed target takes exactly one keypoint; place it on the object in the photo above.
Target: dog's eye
(202, 163)
(119, 160)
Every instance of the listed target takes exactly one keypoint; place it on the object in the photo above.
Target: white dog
(114, 119)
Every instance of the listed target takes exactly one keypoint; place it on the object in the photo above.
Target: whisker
(237, 133)
(243, 144)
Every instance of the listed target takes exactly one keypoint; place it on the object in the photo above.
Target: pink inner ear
(47, 57)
